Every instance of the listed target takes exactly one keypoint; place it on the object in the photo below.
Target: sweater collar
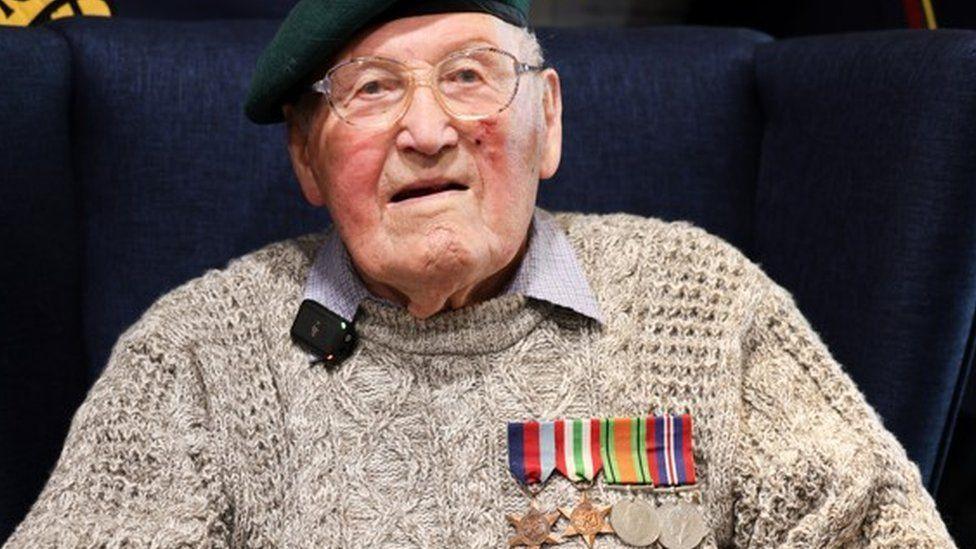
(549, 271)
(484, 327)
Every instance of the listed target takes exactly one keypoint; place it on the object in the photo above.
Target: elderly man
(465, 369)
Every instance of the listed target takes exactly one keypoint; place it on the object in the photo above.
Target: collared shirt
(549, 271)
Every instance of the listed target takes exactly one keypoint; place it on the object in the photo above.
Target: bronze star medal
(530, 460)
(532, 528)
(587, 520)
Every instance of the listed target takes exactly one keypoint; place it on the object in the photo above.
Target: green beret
(315, 30)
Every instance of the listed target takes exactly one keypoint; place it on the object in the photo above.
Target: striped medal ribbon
(578, 455)
(648, 450)
(531, 460)
(531, 451)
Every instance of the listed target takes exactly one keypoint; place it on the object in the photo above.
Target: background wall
(778, 18)
(564, 13)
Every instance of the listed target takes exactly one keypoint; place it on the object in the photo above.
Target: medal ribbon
(669, 450)
(531, 451)
(646, 450)
(630, 450)
(578, 448)
(624, 450)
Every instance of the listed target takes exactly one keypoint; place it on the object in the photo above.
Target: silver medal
(684, 526)
(635, 522)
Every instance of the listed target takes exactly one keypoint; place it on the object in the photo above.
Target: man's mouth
(421, 189)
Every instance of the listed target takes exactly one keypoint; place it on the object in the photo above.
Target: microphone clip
(323, 333)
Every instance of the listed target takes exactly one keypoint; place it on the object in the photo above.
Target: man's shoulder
(252, 284)
(625, 255)
(631, 238)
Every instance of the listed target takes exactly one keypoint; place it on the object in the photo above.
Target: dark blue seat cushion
(660, 121)
(865, 210)
(42, 375)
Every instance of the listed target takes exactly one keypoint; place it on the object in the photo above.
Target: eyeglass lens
(471, 85)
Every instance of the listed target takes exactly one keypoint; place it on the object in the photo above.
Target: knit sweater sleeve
(815, 466)
(138, 467)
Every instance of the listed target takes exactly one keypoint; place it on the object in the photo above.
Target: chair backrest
(659, 121)
(42, 376)
(866, 211)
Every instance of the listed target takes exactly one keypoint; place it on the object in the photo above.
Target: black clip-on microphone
(323, 333)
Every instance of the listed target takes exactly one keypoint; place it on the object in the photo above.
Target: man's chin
(427, 239)
(435, 271)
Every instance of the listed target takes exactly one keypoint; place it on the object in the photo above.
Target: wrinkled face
(430, 196)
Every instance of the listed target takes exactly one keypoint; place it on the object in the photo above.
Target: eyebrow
(465, 44)
(449, 48)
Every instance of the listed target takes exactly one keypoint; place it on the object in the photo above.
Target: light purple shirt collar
(549, 271)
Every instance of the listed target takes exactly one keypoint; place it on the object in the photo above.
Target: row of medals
(637, 523)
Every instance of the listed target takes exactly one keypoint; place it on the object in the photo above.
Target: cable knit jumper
(208, 427)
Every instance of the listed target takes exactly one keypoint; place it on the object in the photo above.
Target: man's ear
(552, 103)
(300, 162)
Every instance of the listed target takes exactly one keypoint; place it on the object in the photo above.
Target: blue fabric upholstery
(175, 180)
(842, 164)
(865, 211)
(658, 122)
(39, 274)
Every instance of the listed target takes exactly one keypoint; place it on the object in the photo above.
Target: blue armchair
(843, 165)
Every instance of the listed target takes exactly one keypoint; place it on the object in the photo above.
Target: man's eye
(465, 76)
(371, 88)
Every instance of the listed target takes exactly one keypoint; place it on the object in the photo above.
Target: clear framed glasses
(470, 84)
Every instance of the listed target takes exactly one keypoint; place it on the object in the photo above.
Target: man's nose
(425, 127)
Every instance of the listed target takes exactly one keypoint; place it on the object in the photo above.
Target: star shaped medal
(587, 520)
(578, 458)
(531, 460)
(533, 529)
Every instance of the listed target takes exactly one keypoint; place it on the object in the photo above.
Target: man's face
(441, 240)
